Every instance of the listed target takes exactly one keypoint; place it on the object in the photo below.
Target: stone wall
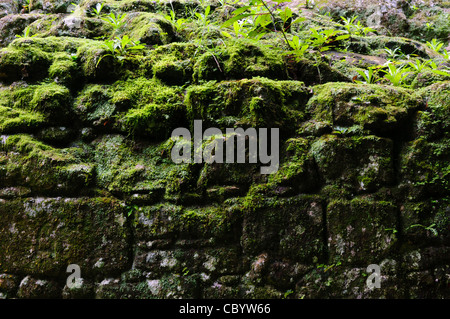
(86, 176)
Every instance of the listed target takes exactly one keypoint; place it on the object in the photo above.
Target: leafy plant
(396, 75)
(298, 48)
(287, 293)
(418, 65)
(27, 6)
(394, 54)
(328, 267)
(435, 45)
(26, 33)
(368, 75)
(203, 17)
(98, 9)
(121, 47)
(131, 210)
(261, 18)
(115, 20)
(178, 23)
(239, 28)
(355, 28)
(323, 40)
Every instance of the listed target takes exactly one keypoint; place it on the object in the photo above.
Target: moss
(426, 78)
(32, 148)
(282, 107)
(425, 167)
(149, 28)
(65, 229)
(141, 91)
(95, 64)
(64, 70)
(125, 167)
(16, 120)
(359, 231)
(358, 163)
(281, 225)
(51, 44)
(148, 107)
(434, 121)
(53, 100)
(380, 109)
(297, 171)
(173, 221)
(173, 63)
(93, 106)
(29, 63)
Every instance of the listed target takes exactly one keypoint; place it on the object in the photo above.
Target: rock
(360, 232)
(14, 24)
(31, 288)
(8, 7)
(51, 233)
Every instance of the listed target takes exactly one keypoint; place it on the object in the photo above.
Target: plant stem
(273, 20)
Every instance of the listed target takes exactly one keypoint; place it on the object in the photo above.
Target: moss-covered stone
(51, 233)
(258, 102)
(284, 226)
(32, 288)
(16, 120)
(360, 231)
(42, 168)
(149, 28)
(380, 109)
(14, 24)
(358, 163)
(425, 167)
(169, 221)
(17, 64)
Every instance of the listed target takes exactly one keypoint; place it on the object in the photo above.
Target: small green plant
(26, 33)
(121, 47)
(203, 17)
(355, 28)
(418, 65)
(75, 7)
(178, 23)
(435, 45)
(298, 48)
(261, 18)
(428, 228)
(115, 20)
(368, 75)
(323, 40)
(131, 210)
(393, 230)
(98, 9)
(287, 293)
(310, 4)
(185, 271)
(239, 28)
(27, 6)
(328, 267)
(396, 75)
(394, 54)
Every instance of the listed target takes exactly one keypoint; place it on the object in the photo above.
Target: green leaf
(234, 19)
(240, 10)
(226, 34)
